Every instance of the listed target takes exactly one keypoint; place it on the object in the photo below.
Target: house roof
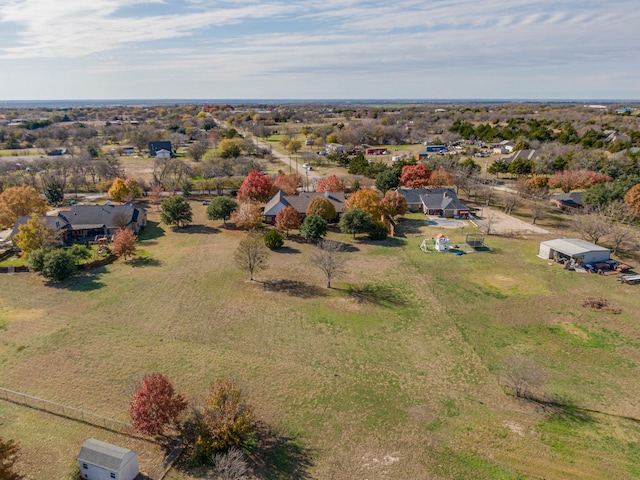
(95, 216)
(155, 147)
(102, 454)
(573, 246)
(55, 222)
(522, 155)
(442, 199)
(412, 195)
(301, 201)
(571, 198)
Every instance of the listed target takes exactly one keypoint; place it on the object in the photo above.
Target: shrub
(58, 265)
(314, 227)
(273, 240)
(378, 231)
(36, 260)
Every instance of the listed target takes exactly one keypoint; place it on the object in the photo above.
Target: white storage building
(103, 461)
(578, 250)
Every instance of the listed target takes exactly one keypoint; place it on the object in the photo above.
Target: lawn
(391, 374)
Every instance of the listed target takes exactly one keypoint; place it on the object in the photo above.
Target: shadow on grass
(152, 231)
(378, 294)
(409, 227)
(86, 281)
(280, 457)
(387, 242)
(287, 250)
(198, 229)
(144, 262)
(294, 288)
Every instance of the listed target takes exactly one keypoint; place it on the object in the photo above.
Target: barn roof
(102, 454)
(573, 246)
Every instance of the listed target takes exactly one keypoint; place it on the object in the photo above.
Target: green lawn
(391, 374)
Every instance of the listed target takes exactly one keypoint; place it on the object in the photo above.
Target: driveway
(502, 224)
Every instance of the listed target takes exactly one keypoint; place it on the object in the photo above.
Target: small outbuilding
(573, 249)
(104, 461)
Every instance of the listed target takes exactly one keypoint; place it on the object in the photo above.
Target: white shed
(103, 461)
(574, 248)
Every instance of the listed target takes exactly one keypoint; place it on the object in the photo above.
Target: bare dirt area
(499, 223)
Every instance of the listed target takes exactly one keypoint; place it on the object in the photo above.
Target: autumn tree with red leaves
(569, 180)
(287, 183)
(124, 243)
(415, 176)
(288, 219)
(330, 184)
(394, 203)
(155, 405)
(256, 187)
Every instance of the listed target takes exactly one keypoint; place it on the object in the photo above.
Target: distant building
(521, 155)
(155, 147)
(335, 148)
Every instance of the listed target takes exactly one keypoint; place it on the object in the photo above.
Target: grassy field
(391, 374)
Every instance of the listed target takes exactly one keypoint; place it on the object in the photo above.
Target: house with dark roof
(521, 155)
(102, 461)
(157, 147)
(58, 223)
(91, 220)
(567, 200)
(443, 202)
(300, 202)
(412, 196)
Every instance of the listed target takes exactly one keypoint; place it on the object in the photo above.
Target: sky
(319, 49)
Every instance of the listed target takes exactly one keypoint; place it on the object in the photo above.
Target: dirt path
(502, 224)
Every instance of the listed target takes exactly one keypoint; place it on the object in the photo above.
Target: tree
(591, 226)
(288, 219)
(632, 199)
(440, 178)
(498, 167)
(256, 187)
(251, 255)
(154, 196)
(568, 180)
(314, 227)
(124, 190)
(521, 376)
(230, 148)
(8, 454)
(294, 146)
(287, 183)
(415, 176)
(387, 180)
(58, 265)
(53, 192)
(124, 243)
(273, 240)
(521, 166)
(221, 208)
(248, 215)
(155, 405)
(329, 258)
(34, 235)
(18, 202)
(322, 206)
(330, 184)
(366, 200)
(522, 145)
(198, 149)
(394, 203)
(354, 221)
(227, 421)
(176, 211)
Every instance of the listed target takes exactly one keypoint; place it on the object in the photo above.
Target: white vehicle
(306, 165)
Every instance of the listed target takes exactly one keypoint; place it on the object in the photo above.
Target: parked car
(306, 165)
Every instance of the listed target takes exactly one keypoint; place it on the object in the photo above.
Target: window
(84, 465)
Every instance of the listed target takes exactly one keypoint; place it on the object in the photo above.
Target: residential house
(412, 196)
(443, 202)
(89, 221)
(58, 223)
(103, 461)
(616, 137)
(522, 155)
(567, 200)
(335, 148)
(300, 202)
(155, 147)
(503, 147)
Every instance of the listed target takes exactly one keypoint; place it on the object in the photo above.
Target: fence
(91, 419)
(67, 412)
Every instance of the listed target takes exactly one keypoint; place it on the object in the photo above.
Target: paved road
(312, 175)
